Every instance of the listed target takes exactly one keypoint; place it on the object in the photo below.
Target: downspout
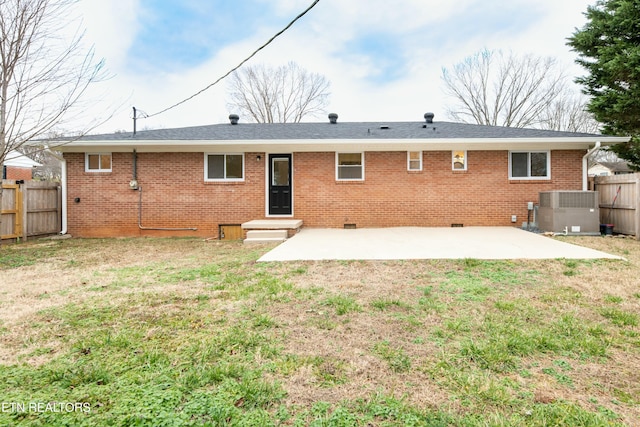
(585, 166)
(63, 183)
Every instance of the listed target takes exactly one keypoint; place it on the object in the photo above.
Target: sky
(384, 59)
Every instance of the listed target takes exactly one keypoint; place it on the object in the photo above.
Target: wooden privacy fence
(30, 209)
(619, 198)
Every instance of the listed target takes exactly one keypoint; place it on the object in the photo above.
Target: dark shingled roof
(340, 131)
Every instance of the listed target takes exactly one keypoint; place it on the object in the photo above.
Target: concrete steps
(273, 224)
(270, 230)
(265, 236)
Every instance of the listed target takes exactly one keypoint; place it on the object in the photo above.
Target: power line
(255, 52)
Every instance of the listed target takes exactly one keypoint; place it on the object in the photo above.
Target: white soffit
(320, 145)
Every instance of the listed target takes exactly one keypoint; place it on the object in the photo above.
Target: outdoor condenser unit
(571, 212)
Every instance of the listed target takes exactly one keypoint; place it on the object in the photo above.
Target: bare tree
(277, 95)
(498, 89)
(50, 168)
(569, 113)
(605, 155)
(45, 69)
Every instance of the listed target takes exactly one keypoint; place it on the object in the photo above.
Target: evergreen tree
(608, 47)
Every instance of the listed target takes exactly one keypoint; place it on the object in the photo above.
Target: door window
(280, 175)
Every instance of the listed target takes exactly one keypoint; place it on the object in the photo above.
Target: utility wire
(255, 52)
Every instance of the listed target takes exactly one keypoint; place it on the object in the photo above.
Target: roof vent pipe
(429, 117)
(333, 118)
(233, 118)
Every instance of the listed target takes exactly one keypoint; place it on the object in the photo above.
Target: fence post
(19, 212)
(637, 206)
(25, 201)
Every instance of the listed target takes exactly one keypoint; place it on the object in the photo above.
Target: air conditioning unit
(571, 212)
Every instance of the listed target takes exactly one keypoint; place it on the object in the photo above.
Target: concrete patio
(426, 243)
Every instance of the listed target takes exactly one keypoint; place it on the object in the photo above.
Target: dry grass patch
(189, 332)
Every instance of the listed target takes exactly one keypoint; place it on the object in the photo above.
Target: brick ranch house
(191, 181)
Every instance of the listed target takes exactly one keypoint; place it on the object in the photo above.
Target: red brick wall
(436, 196)
(175, 195)
(19, 173)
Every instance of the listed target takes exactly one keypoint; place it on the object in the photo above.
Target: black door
(280, 184)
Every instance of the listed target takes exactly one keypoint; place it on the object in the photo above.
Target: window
(529, 165)
(280, 172)
(414, 160)
(459, 160)
(224, 167)
(349, 166)
(97, 162)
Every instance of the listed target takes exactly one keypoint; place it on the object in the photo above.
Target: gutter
(585, 166)
(333, 144)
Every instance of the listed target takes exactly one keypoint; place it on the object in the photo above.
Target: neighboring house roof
(616, 167)
(327, 136)
(19, 160)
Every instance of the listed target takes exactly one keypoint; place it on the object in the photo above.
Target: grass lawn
(183, 332)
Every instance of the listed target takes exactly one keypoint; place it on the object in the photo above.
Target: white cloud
(111, 26)
(430, 34)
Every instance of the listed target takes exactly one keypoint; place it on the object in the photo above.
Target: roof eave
(315, 145)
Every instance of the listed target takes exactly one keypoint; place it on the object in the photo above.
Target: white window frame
(361, 165)
(529, 177)
(206, 167)
(99, 170)
(409, 161)
(453, 160)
